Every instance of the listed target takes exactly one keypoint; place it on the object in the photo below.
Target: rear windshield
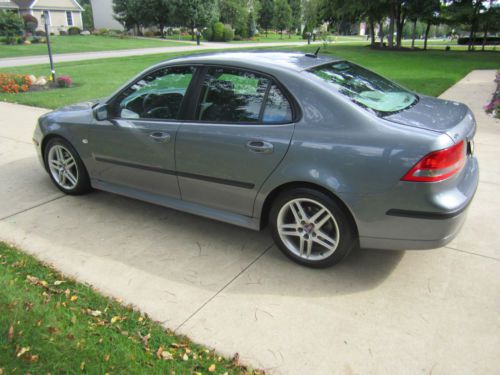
(365, 88)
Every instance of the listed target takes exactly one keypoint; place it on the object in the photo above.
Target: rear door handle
(261, 147)
(160, 137)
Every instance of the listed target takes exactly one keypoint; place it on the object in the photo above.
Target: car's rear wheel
(65, 167)
(311, 228)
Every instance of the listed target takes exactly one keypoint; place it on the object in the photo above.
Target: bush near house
(30, 23)
(11, 26)
(74, 30)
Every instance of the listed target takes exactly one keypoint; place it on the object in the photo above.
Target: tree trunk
(372, 33)
(471, 37)
(484, 38)
(381, 33)
(162, 28)
(427, 29)
(390, 37)
(192, 32)
(266, 31)
(400, 22)
(414, 34)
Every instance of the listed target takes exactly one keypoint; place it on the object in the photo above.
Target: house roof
(49, 4)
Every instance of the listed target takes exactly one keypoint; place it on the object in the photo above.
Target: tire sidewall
(83, 183)
(347, 230)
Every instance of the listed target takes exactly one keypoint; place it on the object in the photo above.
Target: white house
(61, 14)
(103, 15)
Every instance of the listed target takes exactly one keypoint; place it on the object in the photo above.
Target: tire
(70, 176)
(316, 231)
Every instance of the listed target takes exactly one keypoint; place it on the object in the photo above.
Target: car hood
(443, 116)
(81, 106)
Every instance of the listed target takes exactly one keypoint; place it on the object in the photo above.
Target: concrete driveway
(380, 312)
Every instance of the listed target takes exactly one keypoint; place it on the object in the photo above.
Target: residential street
(64, 57)
(378, 312)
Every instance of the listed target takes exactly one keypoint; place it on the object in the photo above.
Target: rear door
(241, 129)
(136, 148)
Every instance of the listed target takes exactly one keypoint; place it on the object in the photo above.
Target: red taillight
(438, 165)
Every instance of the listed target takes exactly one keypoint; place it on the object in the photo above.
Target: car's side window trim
(296, 113)
(112, 102)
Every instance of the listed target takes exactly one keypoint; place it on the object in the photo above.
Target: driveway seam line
(223, 288)
(15, 140)
(31, 208)
(471, 253)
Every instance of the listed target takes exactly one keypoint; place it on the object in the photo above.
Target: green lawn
(52, 324)
(430, 72)
(79, 43)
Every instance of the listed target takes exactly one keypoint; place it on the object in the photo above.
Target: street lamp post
(47, 38)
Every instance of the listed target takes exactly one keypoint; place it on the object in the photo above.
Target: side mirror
(101, 112)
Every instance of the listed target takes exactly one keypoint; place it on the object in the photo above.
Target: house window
(69, 18)
(46, 16)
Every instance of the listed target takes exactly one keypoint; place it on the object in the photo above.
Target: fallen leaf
(211, 368)
(73, 319)
(33, 358)
(166, 356)
(53, 330)
(58, 282)
(159, 351)
(74, 298)
(115, 319)
(1, 371)
(22, 351)
(82, 366)
(106, 357)
(145, 339)
(236, 359)
(44, 283)
(70, 336)
(177, 346)
(10, 334)
(185, 357)
(140, 319)
(32, 279)
(96, 313)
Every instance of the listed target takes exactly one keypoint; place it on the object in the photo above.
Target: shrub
(36, 40)
(40, 33)
(228, 34)
(14, 83)
(73, 30)
(64, 81)
(149, 34)
(30, 23)
(11, 25)
(237, 37)
(218, 31)
(10, 40)
(62, 32)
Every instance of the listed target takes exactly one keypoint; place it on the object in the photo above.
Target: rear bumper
(425, 217)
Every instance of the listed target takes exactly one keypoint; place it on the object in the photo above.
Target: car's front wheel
(65, 167)
(311, 228)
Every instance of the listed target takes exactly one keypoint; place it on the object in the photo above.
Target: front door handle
(160, 137)
(261, 147)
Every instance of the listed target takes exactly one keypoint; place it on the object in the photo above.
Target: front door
(136, 148)
(240, 132)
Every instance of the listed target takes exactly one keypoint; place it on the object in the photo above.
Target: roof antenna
(315, 54)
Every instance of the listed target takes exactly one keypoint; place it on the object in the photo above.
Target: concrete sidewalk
(64, 57)
(379, 312)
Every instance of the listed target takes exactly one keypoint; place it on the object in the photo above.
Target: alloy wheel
(63, 167)
(308, 229)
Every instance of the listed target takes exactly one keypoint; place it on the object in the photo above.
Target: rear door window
(236, 96)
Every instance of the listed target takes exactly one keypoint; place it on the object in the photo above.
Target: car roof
(296, 61)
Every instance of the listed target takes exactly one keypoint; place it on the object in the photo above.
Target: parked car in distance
(329, 155)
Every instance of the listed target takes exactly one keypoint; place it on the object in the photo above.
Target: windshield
(365, 88)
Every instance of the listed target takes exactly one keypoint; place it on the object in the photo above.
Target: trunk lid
(443, 116)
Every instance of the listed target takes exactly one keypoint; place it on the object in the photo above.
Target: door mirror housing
(101, 112)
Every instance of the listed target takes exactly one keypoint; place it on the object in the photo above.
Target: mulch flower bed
(19, 83)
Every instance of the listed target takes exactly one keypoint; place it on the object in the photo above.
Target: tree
(311, 14)
(282, 15)
(11, 25)
(490, 21)
(296, 7)
(195, 13)
(266, 11)
(129, 13)
(158, 13)
(466, 12)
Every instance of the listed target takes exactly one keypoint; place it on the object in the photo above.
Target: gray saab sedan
(329, 155)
